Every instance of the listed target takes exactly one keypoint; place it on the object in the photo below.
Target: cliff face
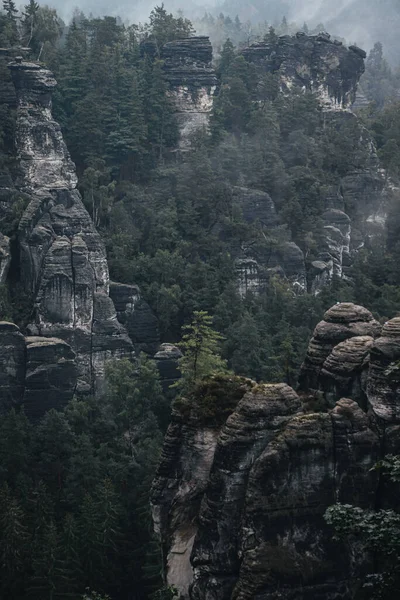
(314, 63)
(189, 71)
(355, 205)
(239, 504)
(62, 259)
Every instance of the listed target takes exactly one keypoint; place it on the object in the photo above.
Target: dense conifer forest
(74, 488)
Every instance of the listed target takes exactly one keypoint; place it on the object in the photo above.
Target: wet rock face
(62, 257)
(189, 71)
(38, 372)
(315, 63)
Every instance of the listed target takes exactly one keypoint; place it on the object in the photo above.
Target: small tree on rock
(201, 352)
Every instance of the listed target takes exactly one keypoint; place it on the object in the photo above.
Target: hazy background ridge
(358, 21)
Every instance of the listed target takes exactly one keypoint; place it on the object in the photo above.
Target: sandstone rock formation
(341, 322)
(62, 257)
(137, 317)
(51, 375)
(167, 364)
(239, 498)
(315, 63)
(40, 373)
(189, 71)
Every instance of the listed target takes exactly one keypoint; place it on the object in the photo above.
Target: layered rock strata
(166, 359)
(189, 71)
(342, 322)
(239, 498)
(62, 257)
(37, 372)
(316, 63)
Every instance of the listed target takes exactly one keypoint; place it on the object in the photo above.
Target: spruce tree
(201, 352)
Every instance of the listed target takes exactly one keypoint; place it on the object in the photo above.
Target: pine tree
(14, 544)
(11, 22)
(29, 17)
(226, 58)
(201, 352)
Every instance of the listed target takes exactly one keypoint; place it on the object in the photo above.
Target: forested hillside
(74, 496)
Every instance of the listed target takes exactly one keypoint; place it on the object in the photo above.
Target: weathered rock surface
(62, 257)
(137, 317)
(240, 508)
(39, 372)
(314, 63)
(239, 505)
(344, 373)
(51, 375)
(257, 420)
(166, 359)
(341, 322)
(189, 71)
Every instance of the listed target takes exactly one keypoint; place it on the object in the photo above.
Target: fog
(358, 21)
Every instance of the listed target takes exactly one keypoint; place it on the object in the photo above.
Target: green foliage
(379, 532)
(212, 400)
(74, 493)
(201, 352)
(163, 27)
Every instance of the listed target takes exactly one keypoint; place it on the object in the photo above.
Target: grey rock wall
(39, 373)
(63, 261)
(239, 506)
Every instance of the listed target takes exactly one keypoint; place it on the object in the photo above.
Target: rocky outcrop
(137, 317)
(258, 419)
(37, 372)
(341, 322)
(189, 71)
(62, 257)
(166, 359)
(256, 206)
(315, 63)
(51, 375)
(239, 500)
